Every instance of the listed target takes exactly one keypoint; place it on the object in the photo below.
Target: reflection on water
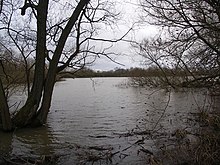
(95, 112)
(27, 142)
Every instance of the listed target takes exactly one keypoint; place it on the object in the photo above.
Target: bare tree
(63, 36)
(189, 39)
(1, 5)
(4, 109)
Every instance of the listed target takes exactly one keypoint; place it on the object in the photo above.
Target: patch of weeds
(205, 150)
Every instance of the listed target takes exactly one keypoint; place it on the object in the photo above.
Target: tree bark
(4, 110)
(41, 85)
(28, 111)
(51, 75)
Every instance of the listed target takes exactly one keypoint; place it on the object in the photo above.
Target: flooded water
(93, 118)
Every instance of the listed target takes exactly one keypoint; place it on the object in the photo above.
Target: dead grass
(204, 151)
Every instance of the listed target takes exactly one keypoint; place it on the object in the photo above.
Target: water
(90, 115)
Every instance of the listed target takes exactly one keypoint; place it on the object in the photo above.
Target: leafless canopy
(189, 38)
(50, 36)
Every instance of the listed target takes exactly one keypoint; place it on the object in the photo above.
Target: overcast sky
(130, 14)
(125, 54)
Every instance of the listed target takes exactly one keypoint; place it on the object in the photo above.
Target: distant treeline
(15, 71)
(131, 72)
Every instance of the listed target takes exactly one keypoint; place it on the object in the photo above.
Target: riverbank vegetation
(188, 42)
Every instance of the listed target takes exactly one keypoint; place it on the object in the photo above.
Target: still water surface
(98, 113)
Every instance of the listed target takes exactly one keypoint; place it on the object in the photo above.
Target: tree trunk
(28, 111)
(52, 72)
(4, 110)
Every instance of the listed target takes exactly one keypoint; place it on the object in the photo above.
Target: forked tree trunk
(29, 114)
(4, 110)
(53, 68)
(28, 111)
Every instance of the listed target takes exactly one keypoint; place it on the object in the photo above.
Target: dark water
(90, 117)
